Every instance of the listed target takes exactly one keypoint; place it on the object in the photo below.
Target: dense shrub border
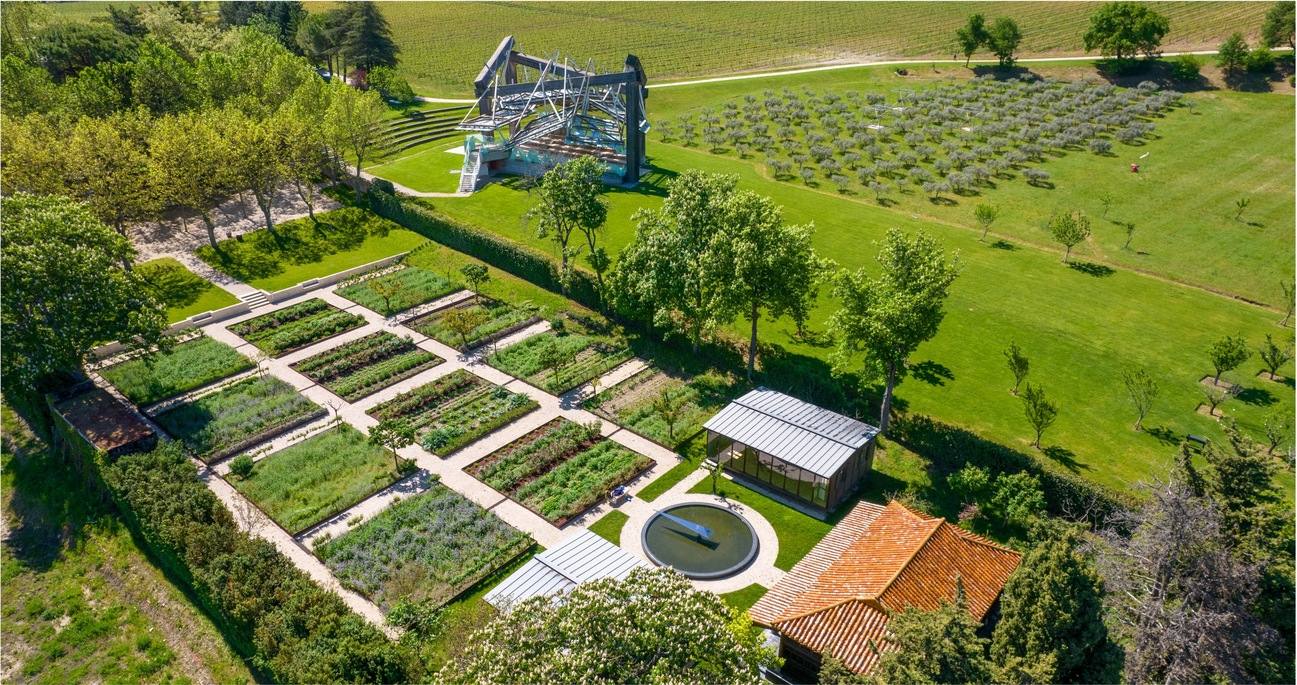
(272, 612)
(501, 253)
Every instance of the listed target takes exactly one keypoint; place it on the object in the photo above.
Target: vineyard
(443, 44)
(363, 367)
(454, 410)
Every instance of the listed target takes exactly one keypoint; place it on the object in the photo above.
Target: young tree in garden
(1242, 204)
(971, 36)
(1018, 363)
(1130, 233)
(887, 317)
(463, 322)
(1142, 390)
(985, 215)
(1289, 289)
(386, 288)
(1274, 356)
(653, 626)
(1231, 56)
(1040, 410)
(111, 170)
(1278, 27)
(1278, 428)
(1176, 596)
(352, 126)
(1003, 38)
(766, 264)
(937, 646)
(1217, 395)
(1052, 610)
(670, 408)
(476, 275)
(368, 38)
(191, 165)
(1106, 199)
(1228, 353)
(1122, 30)
(393, 434)
(664, 274)
(1069, 229)
(63, 291)
(568, 200)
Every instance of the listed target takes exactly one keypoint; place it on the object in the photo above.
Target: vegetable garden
(427, 548)
(295, 327)
(396, 290)
(309, 481)
(364, 366)
(665, 407)
(560, 360)
(223, 423)
(560, 469)
(455, 410)
(189, 365)
(475, 322)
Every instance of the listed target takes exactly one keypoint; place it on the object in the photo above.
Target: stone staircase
(255, 299)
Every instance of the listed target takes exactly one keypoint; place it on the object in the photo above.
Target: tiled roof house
(878, 559)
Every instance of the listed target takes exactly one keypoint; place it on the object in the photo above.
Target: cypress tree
(368, 39)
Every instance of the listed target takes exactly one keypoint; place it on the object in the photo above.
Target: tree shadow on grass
(932, 373)
(1064, 457)
(1005, 245)
(1090, 269)
(945, 201)
(172, 284)
(1163, 435)
(1257, 397)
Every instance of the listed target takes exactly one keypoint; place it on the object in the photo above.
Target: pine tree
(937, 646)
(368, 39)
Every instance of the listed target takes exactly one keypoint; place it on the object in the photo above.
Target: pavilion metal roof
(582, 557)
(796, 432)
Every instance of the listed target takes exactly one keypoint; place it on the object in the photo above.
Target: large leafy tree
(652, 627)
(1052, 611)
(568, 200)
(28, 88)
(971, 36)
(191, 165)
(262, 152)
(162, 80)
(886, 317)
(368, 38)
(1003, 38)
(33, 157)
(1123, 30)
(63, 291)
(66, 49)
(1279, 25)
(765, 264)
(935, 646)
(662, 273)
(111, 169)
(352, 126)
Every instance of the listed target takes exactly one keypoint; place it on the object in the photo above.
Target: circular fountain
(702, 541)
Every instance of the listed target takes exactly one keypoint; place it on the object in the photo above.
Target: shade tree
(1228, 353)
(1041, 412)
(1069, 229)
(1122, 30)
(568, 201)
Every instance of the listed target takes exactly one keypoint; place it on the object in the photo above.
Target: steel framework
(532, 109)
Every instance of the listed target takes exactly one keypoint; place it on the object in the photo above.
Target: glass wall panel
(806, 485)
(820, 494)
(750, 463)
(777, 473)
(767, 467)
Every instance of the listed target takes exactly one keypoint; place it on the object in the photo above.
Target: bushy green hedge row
(951, 448)
(289, 626)
(501, 253)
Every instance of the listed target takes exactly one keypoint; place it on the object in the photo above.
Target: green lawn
(346, 238)
(312, 480)
(609, 527)
(797, 532)
(433, 170)
(691, 456)
(1080, 330)
(183, 292)
(189, 365)
(745, 598)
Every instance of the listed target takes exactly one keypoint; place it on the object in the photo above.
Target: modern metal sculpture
(542, 111)
(703, 531)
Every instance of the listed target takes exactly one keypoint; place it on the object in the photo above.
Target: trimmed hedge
(499, 252)
(951, 449)
(271, 611)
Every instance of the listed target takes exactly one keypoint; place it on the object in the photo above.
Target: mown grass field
(182, 291)
(444, 44)
(83, 602)
(1079, 330)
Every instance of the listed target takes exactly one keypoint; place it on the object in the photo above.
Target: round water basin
(731, 547)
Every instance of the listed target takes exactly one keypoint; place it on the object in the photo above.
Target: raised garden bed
(250, 411)
(496, 320)
(316, 478)
(559, 360)
(397, 290)
(188, 366)
(295, 327)
(455, 410)
(427, 548)
(366, 365)
(638, 403)
(560, 469)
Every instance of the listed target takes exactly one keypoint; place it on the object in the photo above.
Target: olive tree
(1069, 229)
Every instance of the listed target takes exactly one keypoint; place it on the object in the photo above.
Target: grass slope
(1079, 330)
(183, 292)
(189, 365)
(83, 602)
(346, 238)
(312, 480)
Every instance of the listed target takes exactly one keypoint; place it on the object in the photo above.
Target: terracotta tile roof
(880, 559)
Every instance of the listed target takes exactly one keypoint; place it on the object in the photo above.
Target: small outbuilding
(580, 558)
(807, 453)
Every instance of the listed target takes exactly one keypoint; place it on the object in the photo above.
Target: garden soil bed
(269, 433)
